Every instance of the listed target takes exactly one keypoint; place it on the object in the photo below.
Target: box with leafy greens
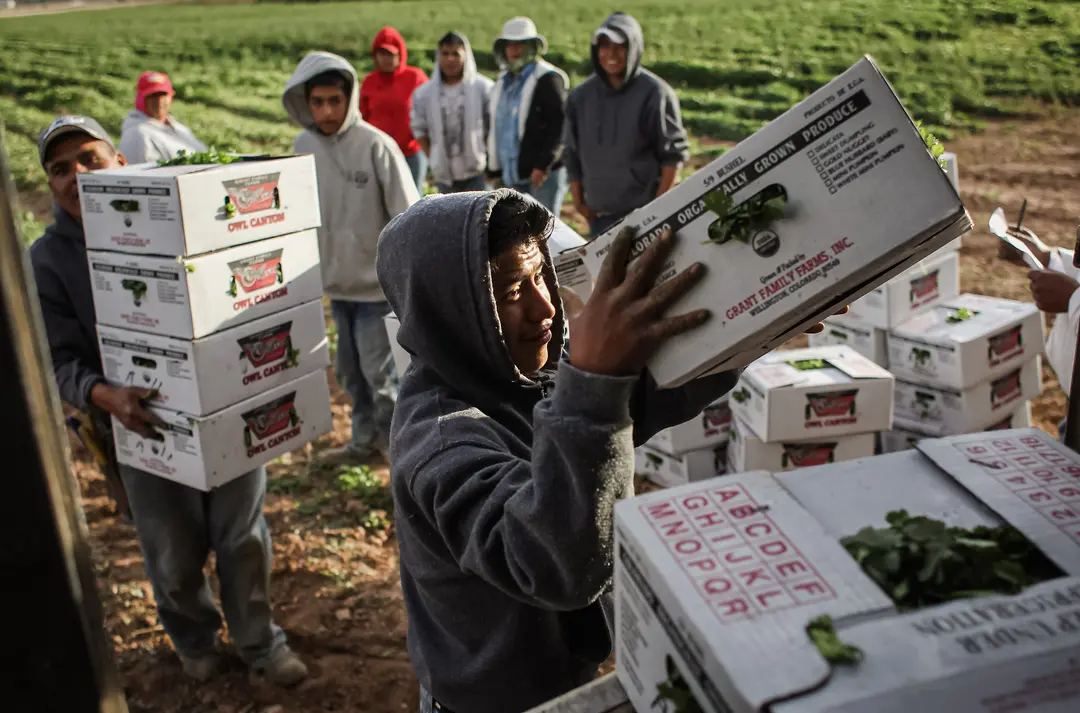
(818, 392)
(965, 340)
(940, 580)
(949, 412)
(828, 201)
(205, 375)
(203, 202)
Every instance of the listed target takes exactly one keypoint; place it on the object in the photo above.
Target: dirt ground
(335, 584)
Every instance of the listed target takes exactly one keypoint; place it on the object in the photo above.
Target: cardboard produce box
(205, 452)
(965, 340)
(860, 336)
(861, 200)
(715, 584)
(205, 375)
(197, 296)
(667, 470)
(902, 438)
(575, 283)
(747, 452)
(917, 290)
(190, 210)
(947, 412)
(708, 429)
(818, 392)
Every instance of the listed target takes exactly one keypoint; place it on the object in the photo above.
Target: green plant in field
(283, 485)
(375, 521)
(920, 562)
(314, 504)
(365, 485)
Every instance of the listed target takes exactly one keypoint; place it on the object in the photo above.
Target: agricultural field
(998, 80)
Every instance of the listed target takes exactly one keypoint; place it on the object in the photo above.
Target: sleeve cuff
(87, 387)
(596, 397)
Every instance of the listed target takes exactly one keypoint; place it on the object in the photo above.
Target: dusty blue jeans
(365, 367)
(177, 527)
(551, 192)
(476, 183)
(418, 166)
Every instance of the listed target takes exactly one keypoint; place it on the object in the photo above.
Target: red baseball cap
(151, 83)
(392, 49)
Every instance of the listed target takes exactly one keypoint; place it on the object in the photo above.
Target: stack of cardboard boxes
(689, 452)
(969, 364)
(207, 290)
(803, 407)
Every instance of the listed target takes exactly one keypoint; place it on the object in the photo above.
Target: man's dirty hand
(126, 403)
(625, 320)
(1051, 290)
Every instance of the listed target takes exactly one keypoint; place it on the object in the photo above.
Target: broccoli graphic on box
(137, 288)
(741, 396)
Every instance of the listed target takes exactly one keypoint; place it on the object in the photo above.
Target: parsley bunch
(183, 158)
(935, 147)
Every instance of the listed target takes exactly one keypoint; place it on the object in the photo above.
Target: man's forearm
(425, 144)
(668, 174)
(576, 192)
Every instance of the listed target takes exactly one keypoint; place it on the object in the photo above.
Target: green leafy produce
(230, 208)
(674, 695)
(935, 147)
(231, 292)
(920, 562)
(741, 222)
(960, 315)
(137, 289)
(822, 632)
(741, 396)
(809, 364)
(183, 158)
(125, 205)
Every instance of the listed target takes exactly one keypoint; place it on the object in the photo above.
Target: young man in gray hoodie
(508, 454)
(450, 117)
(363, 183)
(624, 139)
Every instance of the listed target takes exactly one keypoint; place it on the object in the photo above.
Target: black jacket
(67, 307)
(541, 146)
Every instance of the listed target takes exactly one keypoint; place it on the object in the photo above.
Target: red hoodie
(386, 99)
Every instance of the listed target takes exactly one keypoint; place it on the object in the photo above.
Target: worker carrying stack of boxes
(207, 290)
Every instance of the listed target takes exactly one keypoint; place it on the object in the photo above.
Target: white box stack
(207, 290)
(689, 452)
(969, 364)
(805, 407)
(715, 583)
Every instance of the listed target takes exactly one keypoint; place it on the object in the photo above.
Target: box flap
(749, 568)
(1026, 477)
(943, 323)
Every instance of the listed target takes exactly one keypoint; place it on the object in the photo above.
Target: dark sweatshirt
(504, 485)
(67, 307)
(617, 140)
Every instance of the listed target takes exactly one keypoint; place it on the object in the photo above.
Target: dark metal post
(55, 656)
(1072, 424)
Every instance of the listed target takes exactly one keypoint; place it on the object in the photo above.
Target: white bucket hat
(521, 29)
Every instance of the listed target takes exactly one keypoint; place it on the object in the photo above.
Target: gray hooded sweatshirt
(617, 140)
(145, 139)
(363, 183)
(427, 120)
(504, 485)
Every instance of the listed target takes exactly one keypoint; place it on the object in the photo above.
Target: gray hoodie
(504, 485)
(363, 183)
(617, 140)
(144, 139)
(427, 119)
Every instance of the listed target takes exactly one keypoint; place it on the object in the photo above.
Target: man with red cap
(149, 133)
(386, 98)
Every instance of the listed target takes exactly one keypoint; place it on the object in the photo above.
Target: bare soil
(335, 584)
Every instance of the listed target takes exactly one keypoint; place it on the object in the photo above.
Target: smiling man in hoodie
(363, 183)
(624, 135)
(507, 459)
(386, 97)
(450, 117)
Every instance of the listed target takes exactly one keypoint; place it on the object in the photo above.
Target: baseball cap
(69, 124)
(392, 49)
(612, 34)
(153, 83)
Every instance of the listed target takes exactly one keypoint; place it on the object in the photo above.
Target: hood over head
(294, 97)
(391, 39)
(433, 267)
(629, 28)
(468, 72)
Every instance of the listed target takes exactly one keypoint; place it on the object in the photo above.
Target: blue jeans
(177, 527)
(551, 192)
(418, 164)
(476, 183)
(602, 223)
(365, 367)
